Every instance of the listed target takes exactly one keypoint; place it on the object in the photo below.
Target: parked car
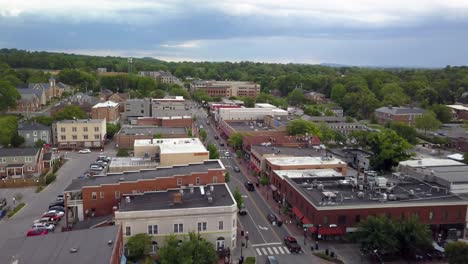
(57, 208)
(221, 144)
(96, 167)
(3, 202)
(291, 244)
(56, 203)
(53, 216)
(101, 163)
(56, 212)
(37, 232)
(250, 187)
(84, 151)
(216, 137)
(49, 227)
(46, 220)
(227, 154)
(243, 211)
(104, 158)
(274, 220)
(236, 169)
(272, 260)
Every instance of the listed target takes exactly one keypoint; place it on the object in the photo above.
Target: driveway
(37, 203)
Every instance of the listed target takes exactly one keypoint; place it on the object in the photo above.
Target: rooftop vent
(177, 198)
(128, 199)
(202, 190)
(121, 179)
(211, 188)
(110, 242)
(73, 249)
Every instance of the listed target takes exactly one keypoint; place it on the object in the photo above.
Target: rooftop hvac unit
(360, 194)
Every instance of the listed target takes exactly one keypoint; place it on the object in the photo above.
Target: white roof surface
(174, 145)
(263, 105)
(307, 173)
(106, 104)
(458, 107)
(430, 162)
(456, 156)
(284, 161)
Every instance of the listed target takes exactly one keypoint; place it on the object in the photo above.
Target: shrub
(250, 260)
(39, 189)
(51, 178)
(122, 152)
(16, 209)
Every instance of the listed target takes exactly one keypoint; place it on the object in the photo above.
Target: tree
(442, 112)
(8, 95)
(45, 120)
(202, 133)
(158, 94)
(249, 102)
(388, 148)
(238, 197)
(338, 91)
(8, 128)
(302, 127)
(70, 112)
(227, 177)
(427, 122)
(413, 236)
(194, 250)
(456, 252)
(157, 135)
(236, 140)
(39, 144)
(405, 131)
(138, 246)
(17, 140)
(296, 97)
(264, 180)
(189, 132)
(112, 129)
(377, 233)
(213, 149)
(393, 94)
(122, 152)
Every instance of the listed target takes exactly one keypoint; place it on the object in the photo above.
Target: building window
(325, 220)
(97, 137)
(2, 169)
(221, 225)
(431, 215)
(35, 133)
(128, 231)
(215, 179)
(30, 168)
(117, 195)
(62, 129)
(3, 160)
(74, 137)
(201, 226)
(63, 137)
(152, 229)
(73, 129)
(93, 195)
(44, 133)
(178, 228)
(85, 137)
(28, 159)
(96, 129)
(179, 181)
(27, 135)
(85, 129)
(342, 219)
(101, 194)
(197, 181)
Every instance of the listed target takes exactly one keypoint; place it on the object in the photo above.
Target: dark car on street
(249, 186)
(236, 169)
(274, 220)
(56, 203)
(291, 244)
(57, 208)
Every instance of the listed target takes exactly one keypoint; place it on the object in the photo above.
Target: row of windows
(178, 228)
(29, 168)
(26, 159)
(44, 133)
(85, 137)
(75, 129)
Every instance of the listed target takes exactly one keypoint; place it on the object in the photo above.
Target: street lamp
(305, 235)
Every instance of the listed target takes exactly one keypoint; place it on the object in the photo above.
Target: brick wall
(109, 113)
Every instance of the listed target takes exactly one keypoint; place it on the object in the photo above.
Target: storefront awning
(331, 231)
(306, 221)
(298, 213)
(273, 188)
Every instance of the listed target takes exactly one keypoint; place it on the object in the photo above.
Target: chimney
(177, 198)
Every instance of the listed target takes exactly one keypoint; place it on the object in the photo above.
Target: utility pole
(130, 62)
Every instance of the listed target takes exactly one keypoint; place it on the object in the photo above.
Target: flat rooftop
(164, 200)
(453, 174)
(250, 126)
(160, 172)
(150, 130)
(265, 105)
(92, 245)
(285, 161)
(97, 121)
(131, 161)
(317, 173)
(106, 104)
(430, 162)
(173, 145)
(336, 193)
(286, 151)
(254, 110)
(171, 113)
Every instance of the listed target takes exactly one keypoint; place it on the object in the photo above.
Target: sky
(424, 33)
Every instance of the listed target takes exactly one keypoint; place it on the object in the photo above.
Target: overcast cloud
(360, 32)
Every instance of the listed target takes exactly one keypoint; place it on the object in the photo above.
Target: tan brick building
(405, 115)
(81, 133)
(227, 88)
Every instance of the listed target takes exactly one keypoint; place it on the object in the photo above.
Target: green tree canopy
(427, 121)
(70, 112)
(405, 131)
(8, 128)
(302, 127)
(158, 94)
(17, 140)
(236, 140)
(192, 250)
(249, 102)
(213, 149)
(296, 97)
(138, 246)
(45, 120)
(203, 134)
(112, 129)
(389, 149)
(442, 112)
(457, 252)
(8, 95)
(238, 197)
(338, 91)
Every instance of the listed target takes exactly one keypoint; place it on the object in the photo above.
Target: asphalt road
(37, 203)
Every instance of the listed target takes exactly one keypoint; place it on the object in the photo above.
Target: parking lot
(37, 203)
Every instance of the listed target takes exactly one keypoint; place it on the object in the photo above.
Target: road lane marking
(270, 251)
(264, 251)
(281, 250)
(262, 227)
(276, 251)
(287, 250)
(258, 251)
(266, 244)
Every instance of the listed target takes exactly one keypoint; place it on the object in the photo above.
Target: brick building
(96, 196)
(127, 135)
(405, 115)
(302, 163)
(460, 112)
(167, 121)
(226, 88)
(107, 110)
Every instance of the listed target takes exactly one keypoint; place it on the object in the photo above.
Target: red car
(291, 244)
(53, 217)
(37, 232)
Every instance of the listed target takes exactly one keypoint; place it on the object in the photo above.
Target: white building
(210, 211)
(245, 114)
(264, 105)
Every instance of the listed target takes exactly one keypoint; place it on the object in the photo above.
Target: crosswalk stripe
(264, 251)
(269, 250)
(258, 251)
(287, 250)
(274, 249)
(281, 250)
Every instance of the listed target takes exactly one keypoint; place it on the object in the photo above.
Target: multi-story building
(226, 88)
(106, 110)
(335, 205)
(210, 211)
(405, 115)
(269, 126)
(134, 108)
(20, 162)
(460, 112)
(306, 162)
(80, 133)
(248, 114)
(161, 76)
(170, 106)
(96, 196)
(165, 121)
(33, 132)
(101, 70)
(356, 158)
(171, 151)
(127, 135)
(316, 97)
(94, 245)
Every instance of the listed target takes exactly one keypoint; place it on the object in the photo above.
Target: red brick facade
(117, 252)
(166, 122)
(111, 114)
(338, 167)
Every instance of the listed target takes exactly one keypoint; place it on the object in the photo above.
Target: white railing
(74, 202)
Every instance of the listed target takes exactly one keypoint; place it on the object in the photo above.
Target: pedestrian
(316, 245)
